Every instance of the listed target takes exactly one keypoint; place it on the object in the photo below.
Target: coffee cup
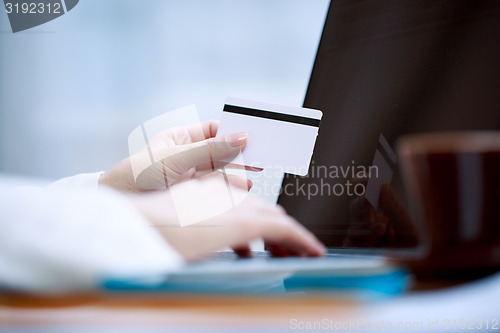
(452, 180)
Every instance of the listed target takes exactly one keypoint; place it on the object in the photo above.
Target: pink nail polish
(237, 139)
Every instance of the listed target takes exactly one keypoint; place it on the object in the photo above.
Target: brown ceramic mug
(453, 186)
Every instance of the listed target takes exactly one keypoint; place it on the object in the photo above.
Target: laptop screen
(385, 69)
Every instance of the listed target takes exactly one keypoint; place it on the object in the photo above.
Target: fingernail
(237, 139)
(321, 248)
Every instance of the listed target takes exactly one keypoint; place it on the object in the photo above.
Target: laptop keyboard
(230, 255)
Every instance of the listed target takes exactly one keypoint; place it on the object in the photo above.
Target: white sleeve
(54, 240)
(83, 180)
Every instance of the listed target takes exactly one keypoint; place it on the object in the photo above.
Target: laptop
(383, 69)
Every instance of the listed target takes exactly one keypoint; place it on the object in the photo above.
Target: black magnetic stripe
(272, 115)
(385, 155)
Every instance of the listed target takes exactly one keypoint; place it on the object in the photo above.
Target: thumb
(162, 167)
(179, 159)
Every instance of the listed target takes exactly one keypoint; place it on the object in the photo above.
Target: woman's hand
(216, 206)
(235, 227)
(173, 156)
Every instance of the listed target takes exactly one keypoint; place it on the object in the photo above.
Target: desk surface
(177, 310)
(181, 311)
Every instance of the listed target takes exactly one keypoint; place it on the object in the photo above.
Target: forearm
(54, 240)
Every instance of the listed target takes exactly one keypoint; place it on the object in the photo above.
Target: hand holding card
(280, 137)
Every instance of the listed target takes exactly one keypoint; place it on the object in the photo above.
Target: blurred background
(74, 88)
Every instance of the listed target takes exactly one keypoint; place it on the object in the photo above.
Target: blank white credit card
(279, 137)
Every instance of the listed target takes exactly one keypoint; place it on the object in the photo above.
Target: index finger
(294, 238)
(209, 128)
(197, 132)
